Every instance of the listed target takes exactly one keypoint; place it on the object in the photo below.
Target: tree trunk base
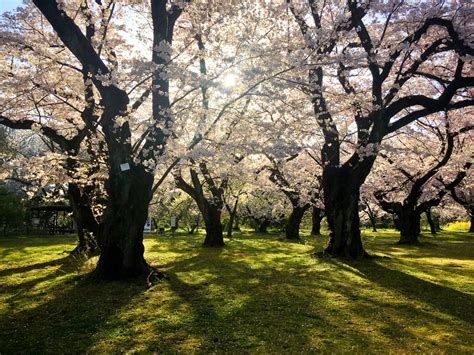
(213, 244)
(108, 274)
(115, 265)
(148, 275)
(292, 228)
(344, 256)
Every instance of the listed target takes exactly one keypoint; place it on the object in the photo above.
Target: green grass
(259, 294)
(457, 226)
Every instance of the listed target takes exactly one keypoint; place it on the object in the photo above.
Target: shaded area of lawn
(258, 294)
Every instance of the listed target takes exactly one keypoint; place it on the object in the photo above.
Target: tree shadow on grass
(222, 305)
(17, 270)
(69, 264)
(445, 299)
(234, 308)
(62, 314)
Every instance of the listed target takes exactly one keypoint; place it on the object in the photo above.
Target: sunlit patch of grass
(457, 226)
(260, 293)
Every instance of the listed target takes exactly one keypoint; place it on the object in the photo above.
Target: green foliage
(259, 294)
(12, 213)
(182, 207)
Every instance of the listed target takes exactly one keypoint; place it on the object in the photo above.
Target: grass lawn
(259, 294)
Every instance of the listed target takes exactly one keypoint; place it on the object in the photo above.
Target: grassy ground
(259, 294)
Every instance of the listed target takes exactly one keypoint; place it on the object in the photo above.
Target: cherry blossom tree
(463, 194)
(292, 176)
(372, 69)
(92, 57)
(226, 104)
(424, 176)
(263, 208)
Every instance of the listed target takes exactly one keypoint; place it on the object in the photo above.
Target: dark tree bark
(88, 228)
(409, 224)
(126, 213)
(210, 208)
(236, 226)
(372, 223)
(471, 217)
(406, 217)
(292, 227)
(212, 220)
(431, 223)
(317, 216)
(341, 201)
(232, 217)
(371, 214)
(262, 225)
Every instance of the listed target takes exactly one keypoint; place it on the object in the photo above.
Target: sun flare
(230, 80)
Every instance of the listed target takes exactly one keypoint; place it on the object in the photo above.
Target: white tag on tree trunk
(125, 166)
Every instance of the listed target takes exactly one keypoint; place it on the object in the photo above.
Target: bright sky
(9, 5)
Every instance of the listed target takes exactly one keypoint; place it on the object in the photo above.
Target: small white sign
(125, 166)
(173, 221)
(147, 227)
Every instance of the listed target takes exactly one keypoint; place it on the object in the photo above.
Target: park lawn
(259, 294)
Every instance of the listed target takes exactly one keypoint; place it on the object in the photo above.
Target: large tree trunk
(122, 249)
(316, 218)
(429, 218)
(212, 220)
(341, 200)
(294, 220)
(88, 229)
(409, 224)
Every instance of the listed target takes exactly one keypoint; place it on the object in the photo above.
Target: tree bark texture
(210, 208)
(212, 220)
(232, 214)
(88, 228)
(341, 200)
(292, 227)
(431, 223)
(127, 209)
(409, 224)
(317, 216)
